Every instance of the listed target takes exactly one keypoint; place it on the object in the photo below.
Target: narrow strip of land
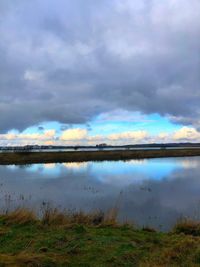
(80, 156)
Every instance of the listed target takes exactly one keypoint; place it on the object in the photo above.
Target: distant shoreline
(22, 158)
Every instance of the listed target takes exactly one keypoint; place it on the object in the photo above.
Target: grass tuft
(187, 227)
(52, 216)
(148, 229)
(20, 216)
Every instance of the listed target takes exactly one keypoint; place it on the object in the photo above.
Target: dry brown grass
(80, 156)
(187, 227)
(27, 259)
(53, 216)
(56, 217)
(20, 216)
(148, 229)
(110, 217)
(94, 218)
(178, 251)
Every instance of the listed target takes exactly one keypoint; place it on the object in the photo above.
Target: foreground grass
(80, 156)
(92, 240)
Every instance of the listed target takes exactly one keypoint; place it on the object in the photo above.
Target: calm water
(154, 192)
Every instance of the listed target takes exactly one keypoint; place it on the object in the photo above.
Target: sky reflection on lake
(153, 191)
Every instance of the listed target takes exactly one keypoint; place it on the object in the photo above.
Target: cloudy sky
(86, 72)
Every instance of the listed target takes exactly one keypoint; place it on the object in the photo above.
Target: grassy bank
(79, 156)
(92, 240)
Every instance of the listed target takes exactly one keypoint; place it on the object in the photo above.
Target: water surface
(153, 192)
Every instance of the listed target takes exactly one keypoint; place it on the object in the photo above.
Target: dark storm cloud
(71, 60)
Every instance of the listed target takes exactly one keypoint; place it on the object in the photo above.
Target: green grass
(27, 241)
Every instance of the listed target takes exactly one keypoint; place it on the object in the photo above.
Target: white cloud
(47, 138)
(187, 133)
(78, 136)
(74, 134)
(131, 136)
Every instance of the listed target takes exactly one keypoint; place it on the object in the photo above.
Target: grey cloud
(70, 61)
(41, 128)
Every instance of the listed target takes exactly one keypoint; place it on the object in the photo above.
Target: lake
(153, 192)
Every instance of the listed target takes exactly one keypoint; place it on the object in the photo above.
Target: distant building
(101, 145)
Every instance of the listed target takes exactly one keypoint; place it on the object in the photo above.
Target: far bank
(7, 158)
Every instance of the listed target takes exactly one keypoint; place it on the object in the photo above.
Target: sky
(88, 72)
